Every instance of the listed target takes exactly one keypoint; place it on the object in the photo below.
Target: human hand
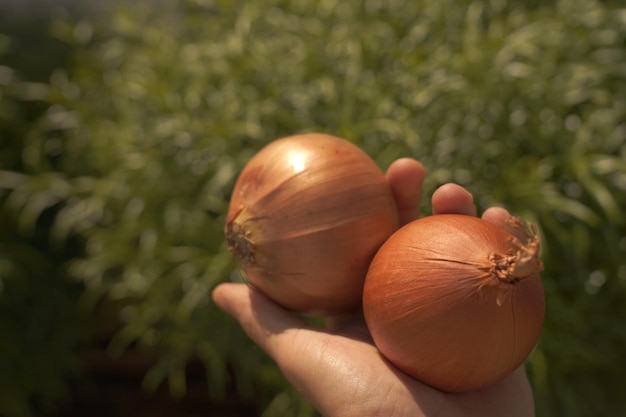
(339, 369)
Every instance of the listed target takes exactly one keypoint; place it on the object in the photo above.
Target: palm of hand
(342, 373)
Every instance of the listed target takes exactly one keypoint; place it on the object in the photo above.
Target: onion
(456, 302)
(306, 217)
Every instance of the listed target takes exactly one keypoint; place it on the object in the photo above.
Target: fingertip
(227, 295)
(502, 217)
(260, 317)
(406, 165)
(405, 177)
(453, 199)
(496, 215)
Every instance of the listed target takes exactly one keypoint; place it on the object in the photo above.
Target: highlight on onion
(306, 217)
(455, 301)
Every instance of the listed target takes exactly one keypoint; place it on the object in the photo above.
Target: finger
(263, 321)
(267, 324)
(502, 217)
(311, 359)
(453, 199)
(496, 215)
(405, 177)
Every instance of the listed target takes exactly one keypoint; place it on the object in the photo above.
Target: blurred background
(123, 126)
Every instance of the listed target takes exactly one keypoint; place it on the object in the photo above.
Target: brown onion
(455, 301)
(306, 217)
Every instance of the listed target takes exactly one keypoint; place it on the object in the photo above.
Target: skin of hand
(339, 369)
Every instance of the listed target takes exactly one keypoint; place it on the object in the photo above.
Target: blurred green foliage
(117, 164)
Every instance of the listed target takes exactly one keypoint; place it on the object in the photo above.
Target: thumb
(266, 323)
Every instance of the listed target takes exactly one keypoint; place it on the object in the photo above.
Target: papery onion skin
(306, 217)
(456, 302)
